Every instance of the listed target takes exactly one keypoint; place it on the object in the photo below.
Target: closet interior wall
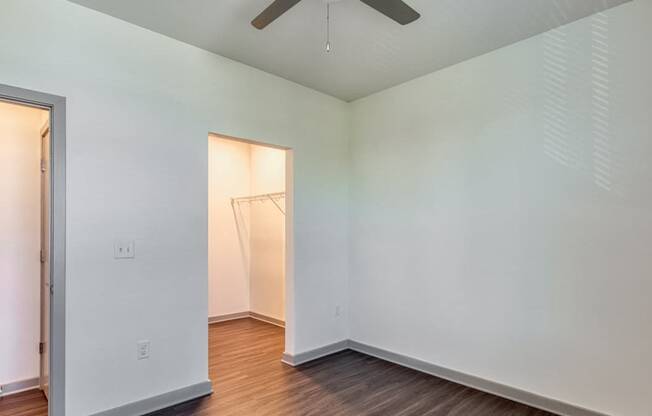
(246, 239)
(20, 241)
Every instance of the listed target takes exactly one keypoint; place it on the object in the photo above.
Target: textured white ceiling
(370, 52)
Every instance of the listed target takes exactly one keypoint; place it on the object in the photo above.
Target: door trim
(45, 203)
(57, 107)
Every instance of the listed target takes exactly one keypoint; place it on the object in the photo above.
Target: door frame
(44, 356)
(57, 107)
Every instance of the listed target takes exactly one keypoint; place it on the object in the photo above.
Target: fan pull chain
(328, 27)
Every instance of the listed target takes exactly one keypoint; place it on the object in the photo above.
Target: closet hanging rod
(262, 197)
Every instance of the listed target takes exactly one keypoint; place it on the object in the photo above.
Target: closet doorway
(249, 242)
(32, 257)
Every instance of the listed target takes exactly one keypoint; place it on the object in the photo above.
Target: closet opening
(249, 253)
(25, 253)
(32, 250)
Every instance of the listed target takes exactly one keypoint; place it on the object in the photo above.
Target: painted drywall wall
(20, 241)
(228, 240)
(139, 108)
(501, 215)
(267, 267)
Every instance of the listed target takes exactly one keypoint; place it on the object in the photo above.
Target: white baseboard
(19, 386)
(162, 401)
(267, 319)
(488, 386)
(228, 317)
(307, 356)
(247, 314)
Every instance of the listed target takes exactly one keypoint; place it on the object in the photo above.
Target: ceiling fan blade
(273, 12)
(394, 9)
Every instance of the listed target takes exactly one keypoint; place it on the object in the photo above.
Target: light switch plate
(142, 350)
(124, 249)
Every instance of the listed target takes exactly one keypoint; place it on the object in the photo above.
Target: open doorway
(24, 244)
(32, 257)
(249, 215)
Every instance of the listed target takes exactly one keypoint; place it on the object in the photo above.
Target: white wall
(229, 175)
(267, 272)
(501, 223)
(140, 106)
(20, 241)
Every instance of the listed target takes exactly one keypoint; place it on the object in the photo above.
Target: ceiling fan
(396, 10)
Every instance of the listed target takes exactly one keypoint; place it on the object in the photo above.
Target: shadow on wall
(567, 110)
(243, 233)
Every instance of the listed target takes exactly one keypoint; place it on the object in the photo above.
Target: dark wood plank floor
(249, 379)
(29, 403)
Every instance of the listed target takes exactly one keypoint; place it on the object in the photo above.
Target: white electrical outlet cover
(124, 249)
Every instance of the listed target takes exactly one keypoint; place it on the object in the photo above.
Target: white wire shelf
(274, 197)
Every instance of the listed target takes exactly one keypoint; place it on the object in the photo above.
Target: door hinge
(41, 347)
(43, 165)
(42, 256)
